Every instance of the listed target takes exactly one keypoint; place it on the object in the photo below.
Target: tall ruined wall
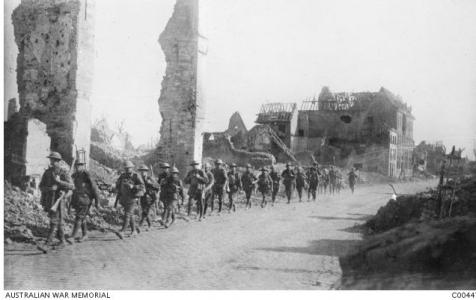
(54, 68)
(180, 104)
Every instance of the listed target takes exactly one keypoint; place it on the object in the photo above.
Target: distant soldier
(276, 180)
(164, 174)
(172, 188)
(313, 177)
(197, 180)
(149, 198)
(265, 185)
(85, 193)
(130, 188)
(325, 179)
(55, 183)
(248, 181)
(352, 179)
(234, 185)
(219, 174)
(301, 182)
(332, 180)
(289, 181)
(208, 192)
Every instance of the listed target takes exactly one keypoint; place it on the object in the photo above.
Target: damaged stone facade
(181, 103)
(372, 130)
(54, 68)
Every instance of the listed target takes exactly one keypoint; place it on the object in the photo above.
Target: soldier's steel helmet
(263, 169)
(195, 163)
(80, 163)
(165, 166)
(288, 164)
(55, 155)
(219, 162)
(248, 166)
(175, 170)
(143, 168)
(128, 164)
(233, 165)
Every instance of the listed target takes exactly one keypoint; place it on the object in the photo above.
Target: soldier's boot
(61, 236)
(74, 234)
(149, 224)
(133, 227)
(84, 229)
(51, 234)
(126, 223)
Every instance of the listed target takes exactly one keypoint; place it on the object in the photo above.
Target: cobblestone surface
(283, 247)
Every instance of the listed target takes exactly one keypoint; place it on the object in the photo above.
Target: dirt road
(283, 247)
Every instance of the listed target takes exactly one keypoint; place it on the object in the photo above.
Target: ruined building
(54, 77)
(371, 130)
(181, 102)
(281, 117)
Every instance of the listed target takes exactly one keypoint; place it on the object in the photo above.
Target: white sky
(286, 50)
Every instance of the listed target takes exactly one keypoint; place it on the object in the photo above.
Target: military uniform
(208, 194)
(85, 192)
(130, 187)
(219, 174)
(301, 181)
(149, 198)
(276, 180)
(55, 183)
(234, 185)
(352, 180)
(265, 185)
(197, 180)
(248, 181)
(313, 177)
(162, 176)
(332, 180)
(172, 188)
(289, 181)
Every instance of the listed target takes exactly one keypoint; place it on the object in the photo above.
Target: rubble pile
(410, 239)
(26, 221)
(24, 218)
(423, 206)
(444, 248)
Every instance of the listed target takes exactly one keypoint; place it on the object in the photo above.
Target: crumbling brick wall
(220, 147)
(180, 104)
(54, 68)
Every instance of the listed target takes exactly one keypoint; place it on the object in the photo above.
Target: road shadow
(326, 247)
(362, 218)
(284, 270)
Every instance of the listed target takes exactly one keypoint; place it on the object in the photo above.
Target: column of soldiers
(139, 193)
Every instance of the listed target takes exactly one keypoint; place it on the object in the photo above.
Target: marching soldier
(130, 188)
(276, 179)
(197, 180)
(208, 192)
(332, 180)
(164, 174)
(219, 174)
(352, 179)
(85, 193)
(172, 188)
(234, 185)
(265, 184)
(289, 181)
(313, 177)
(301, 182)
(55, 184)
(248, 181)
(149, 198)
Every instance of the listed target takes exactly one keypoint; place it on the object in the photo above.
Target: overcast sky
(282, 50)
